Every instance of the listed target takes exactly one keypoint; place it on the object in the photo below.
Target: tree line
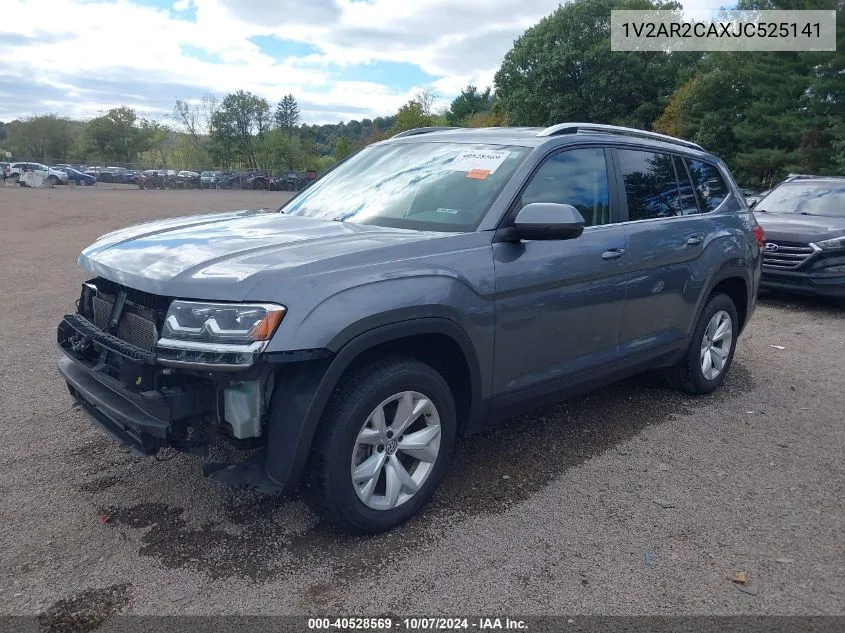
(765, 114)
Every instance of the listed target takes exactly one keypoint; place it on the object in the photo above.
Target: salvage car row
(260, 179)
(64, 173)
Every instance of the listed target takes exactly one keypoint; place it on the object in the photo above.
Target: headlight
(217, 334)
(222, 322)
(835, 243)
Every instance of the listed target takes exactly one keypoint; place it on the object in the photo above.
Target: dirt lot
(552, 513)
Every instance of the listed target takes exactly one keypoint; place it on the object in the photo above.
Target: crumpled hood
(220, 255)
(793, 227)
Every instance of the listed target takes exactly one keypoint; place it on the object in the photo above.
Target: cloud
(81, 57)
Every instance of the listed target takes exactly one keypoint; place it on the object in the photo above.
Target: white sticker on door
(479, 160)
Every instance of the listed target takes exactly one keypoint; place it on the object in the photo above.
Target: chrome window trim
(718, 209)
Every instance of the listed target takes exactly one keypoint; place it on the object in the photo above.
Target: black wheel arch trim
(725, 273)
(303, 391)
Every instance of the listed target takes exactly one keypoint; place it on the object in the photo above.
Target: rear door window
(651, 184)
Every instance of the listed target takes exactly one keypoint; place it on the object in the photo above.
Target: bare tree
(188, 116)
(209, 105)
(426, 99)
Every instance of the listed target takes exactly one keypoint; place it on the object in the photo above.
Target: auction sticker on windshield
(478, 161)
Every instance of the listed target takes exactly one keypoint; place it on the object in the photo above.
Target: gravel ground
(551, 513)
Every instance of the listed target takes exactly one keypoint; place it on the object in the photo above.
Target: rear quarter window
(709, 184)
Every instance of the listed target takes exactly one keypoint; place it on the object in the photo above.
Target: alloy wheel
(396, 450)
(716, 345)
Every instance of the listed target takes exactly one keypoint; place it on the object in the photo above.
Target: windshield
(808, 198)
(426, 186)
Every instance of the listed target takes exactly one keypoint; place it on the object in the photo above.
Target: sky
(341, 59)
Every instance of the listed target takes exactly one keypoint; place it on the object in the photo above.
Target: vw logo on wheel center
(391, 447)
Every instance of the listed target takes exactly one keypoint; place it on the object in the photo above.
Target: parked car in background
(207, 179)
(156, 179)
(141, 178)
(424, 288)
(129, 176)
(259, 179)
(804, 219)
(187, 179)
(80, 178)
(286, 181)
(114, 175)
(51, 176)
(229, 180)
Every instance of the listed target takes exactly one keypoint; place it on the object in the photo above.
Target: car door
(559, 303)
(666, 236)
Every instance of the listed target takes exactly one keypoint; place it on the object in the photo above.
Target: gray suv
(424, 288)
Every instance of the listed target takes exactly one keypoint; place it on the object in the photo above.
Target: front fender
(303, 390)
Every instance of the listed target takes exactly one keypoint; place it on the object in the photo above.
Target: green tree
(279, 151)
(287, 114)
(118, 135)
(47, 138)
(562, 69)
(241, 117)
(3, 131)
(341, 149)
(765, 113)
(416, 113)
(467, 104)
(155, 138)
(485, 119)
(838, 145)
(410, 116)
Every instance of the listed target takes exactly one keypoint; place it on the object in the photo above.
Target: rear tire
(710, 354)
(408, 462)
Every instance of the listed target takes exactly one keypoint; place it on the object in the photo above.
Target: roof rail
(422, 130)
(598, 128)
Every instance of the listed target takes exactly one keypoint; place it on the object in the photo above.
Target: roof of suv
(807, 177)
(536, 136)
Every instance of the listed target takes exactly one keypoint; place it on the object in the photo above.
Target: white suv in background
(50, 175)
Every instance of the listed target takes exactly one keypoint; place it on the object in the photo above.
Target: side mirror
(547, 221)
(753, 203)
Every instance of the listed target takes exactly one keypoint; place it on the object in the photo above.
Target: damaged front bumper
(273, 405)
(124, 391)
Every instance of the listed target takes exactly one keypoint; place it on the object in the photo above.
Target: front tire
(710, 354)
(383, 446)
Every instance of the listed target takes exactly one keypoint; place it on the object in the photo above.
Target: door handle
(613, 253)
(695, 240)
